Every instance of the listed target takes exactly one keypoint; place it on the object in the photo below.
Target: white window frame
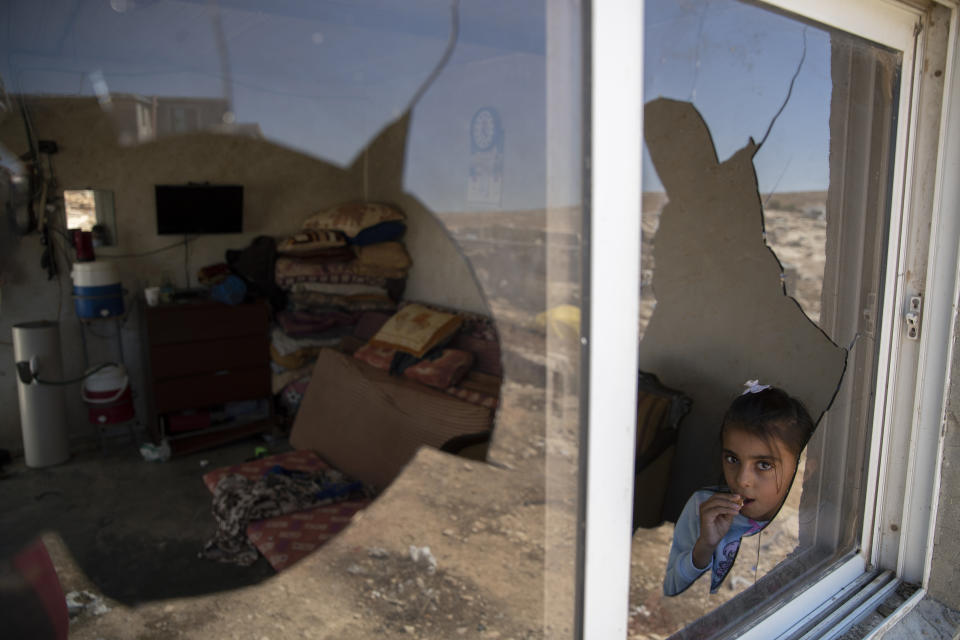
(615, 56)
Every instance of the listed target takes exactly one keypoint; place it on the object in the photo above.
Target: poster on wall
(485, 180)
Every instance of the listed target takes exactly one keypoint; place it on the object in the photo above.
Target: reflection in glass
(309, 105)
(734, 62)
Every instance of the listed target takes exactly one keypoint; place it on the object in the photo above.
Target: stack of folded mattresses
(341, 263)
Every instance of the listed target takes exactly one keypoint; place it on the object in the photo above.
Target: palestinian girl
(762, 435)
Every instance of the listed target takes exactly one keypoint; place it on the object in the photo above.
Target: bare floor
(133, 527)
(128, 532)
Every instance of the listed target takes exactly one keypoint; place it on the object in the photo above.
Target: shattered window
(767, 180)
(399, 220)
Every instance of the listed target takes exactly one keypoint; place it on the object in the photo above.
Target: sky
(734, 62)
(323, 77)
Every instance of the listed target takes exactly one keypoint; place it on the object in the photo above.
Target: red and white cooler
(108, 397)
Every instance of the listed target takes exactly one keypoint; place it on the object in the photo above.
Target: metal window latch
(913, 317)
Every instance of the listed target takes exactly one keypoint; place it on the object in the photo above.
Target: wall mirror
(92, 210)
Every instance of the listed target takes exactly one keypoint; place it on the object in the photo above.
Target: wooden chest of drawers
(202, 355)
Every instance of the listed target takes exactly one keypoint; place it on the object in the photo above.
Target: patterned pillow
(352, 218)
(415, 329)
(384, 232)
(288, 271)
(386, 255)
(311, 242)
(445, 371)
(379, 357)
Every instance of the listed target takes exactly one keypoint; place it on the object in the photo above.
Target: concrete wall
(944, 582)
(281, 188)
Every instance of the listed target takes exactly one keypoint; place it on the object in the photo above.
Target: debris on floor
(155, 453)
(79, 602)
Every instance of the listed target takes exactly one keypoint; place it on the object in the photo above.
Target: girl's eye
(730, 459)
(763, 465)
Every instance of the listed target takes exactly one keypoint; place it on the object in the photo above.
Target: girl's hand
(716, 516)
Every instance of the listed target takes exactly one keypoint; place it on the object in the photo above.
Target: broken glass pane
(747, 111)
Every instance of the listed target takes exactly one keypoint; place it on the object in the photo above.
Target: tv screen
(199, 208)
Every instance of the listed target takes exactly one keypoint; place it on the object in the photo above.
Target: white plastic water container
(98, 273)
(97, 292)
(43, 419)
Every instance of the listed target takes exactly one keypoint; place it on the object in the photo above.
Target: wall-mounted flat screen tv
(185, 209)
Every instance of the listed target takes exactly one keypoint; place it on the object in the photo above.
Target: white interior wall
(440, 274)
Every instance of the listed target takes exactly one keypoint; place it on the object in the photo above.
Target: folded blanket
(327, 244)
(290, 271)
(338, 289)
(383, 255)
(352, 218)
(298, 323)
(356, 302)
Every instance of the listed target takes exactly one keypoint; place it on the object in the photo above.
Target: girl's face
(759, 471)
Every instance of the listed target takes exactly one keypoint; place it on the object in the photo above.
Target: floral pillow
(416, 329)
(354, 217)
(444, 371)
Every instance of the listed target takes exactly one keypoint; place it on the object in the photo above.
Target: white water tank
(43, 419)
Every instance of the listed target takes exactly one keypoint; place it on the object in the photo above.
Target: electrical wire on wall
(140, 254)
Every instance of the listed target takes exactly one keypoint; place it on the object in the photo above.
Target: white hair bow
(754, 386)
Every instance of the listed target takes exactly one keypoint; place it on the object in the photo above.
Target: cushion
(338, 289)
(478, 335)
(329, 324)
(441, 372)
(388, 255)
(353, 217)
(316, 300)
(284, 540)
(310, 242)
(379, 357)
(416, 329)
(383, 232)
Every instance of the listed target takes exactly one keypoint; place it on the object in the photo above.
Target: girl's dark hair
(771, 413)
